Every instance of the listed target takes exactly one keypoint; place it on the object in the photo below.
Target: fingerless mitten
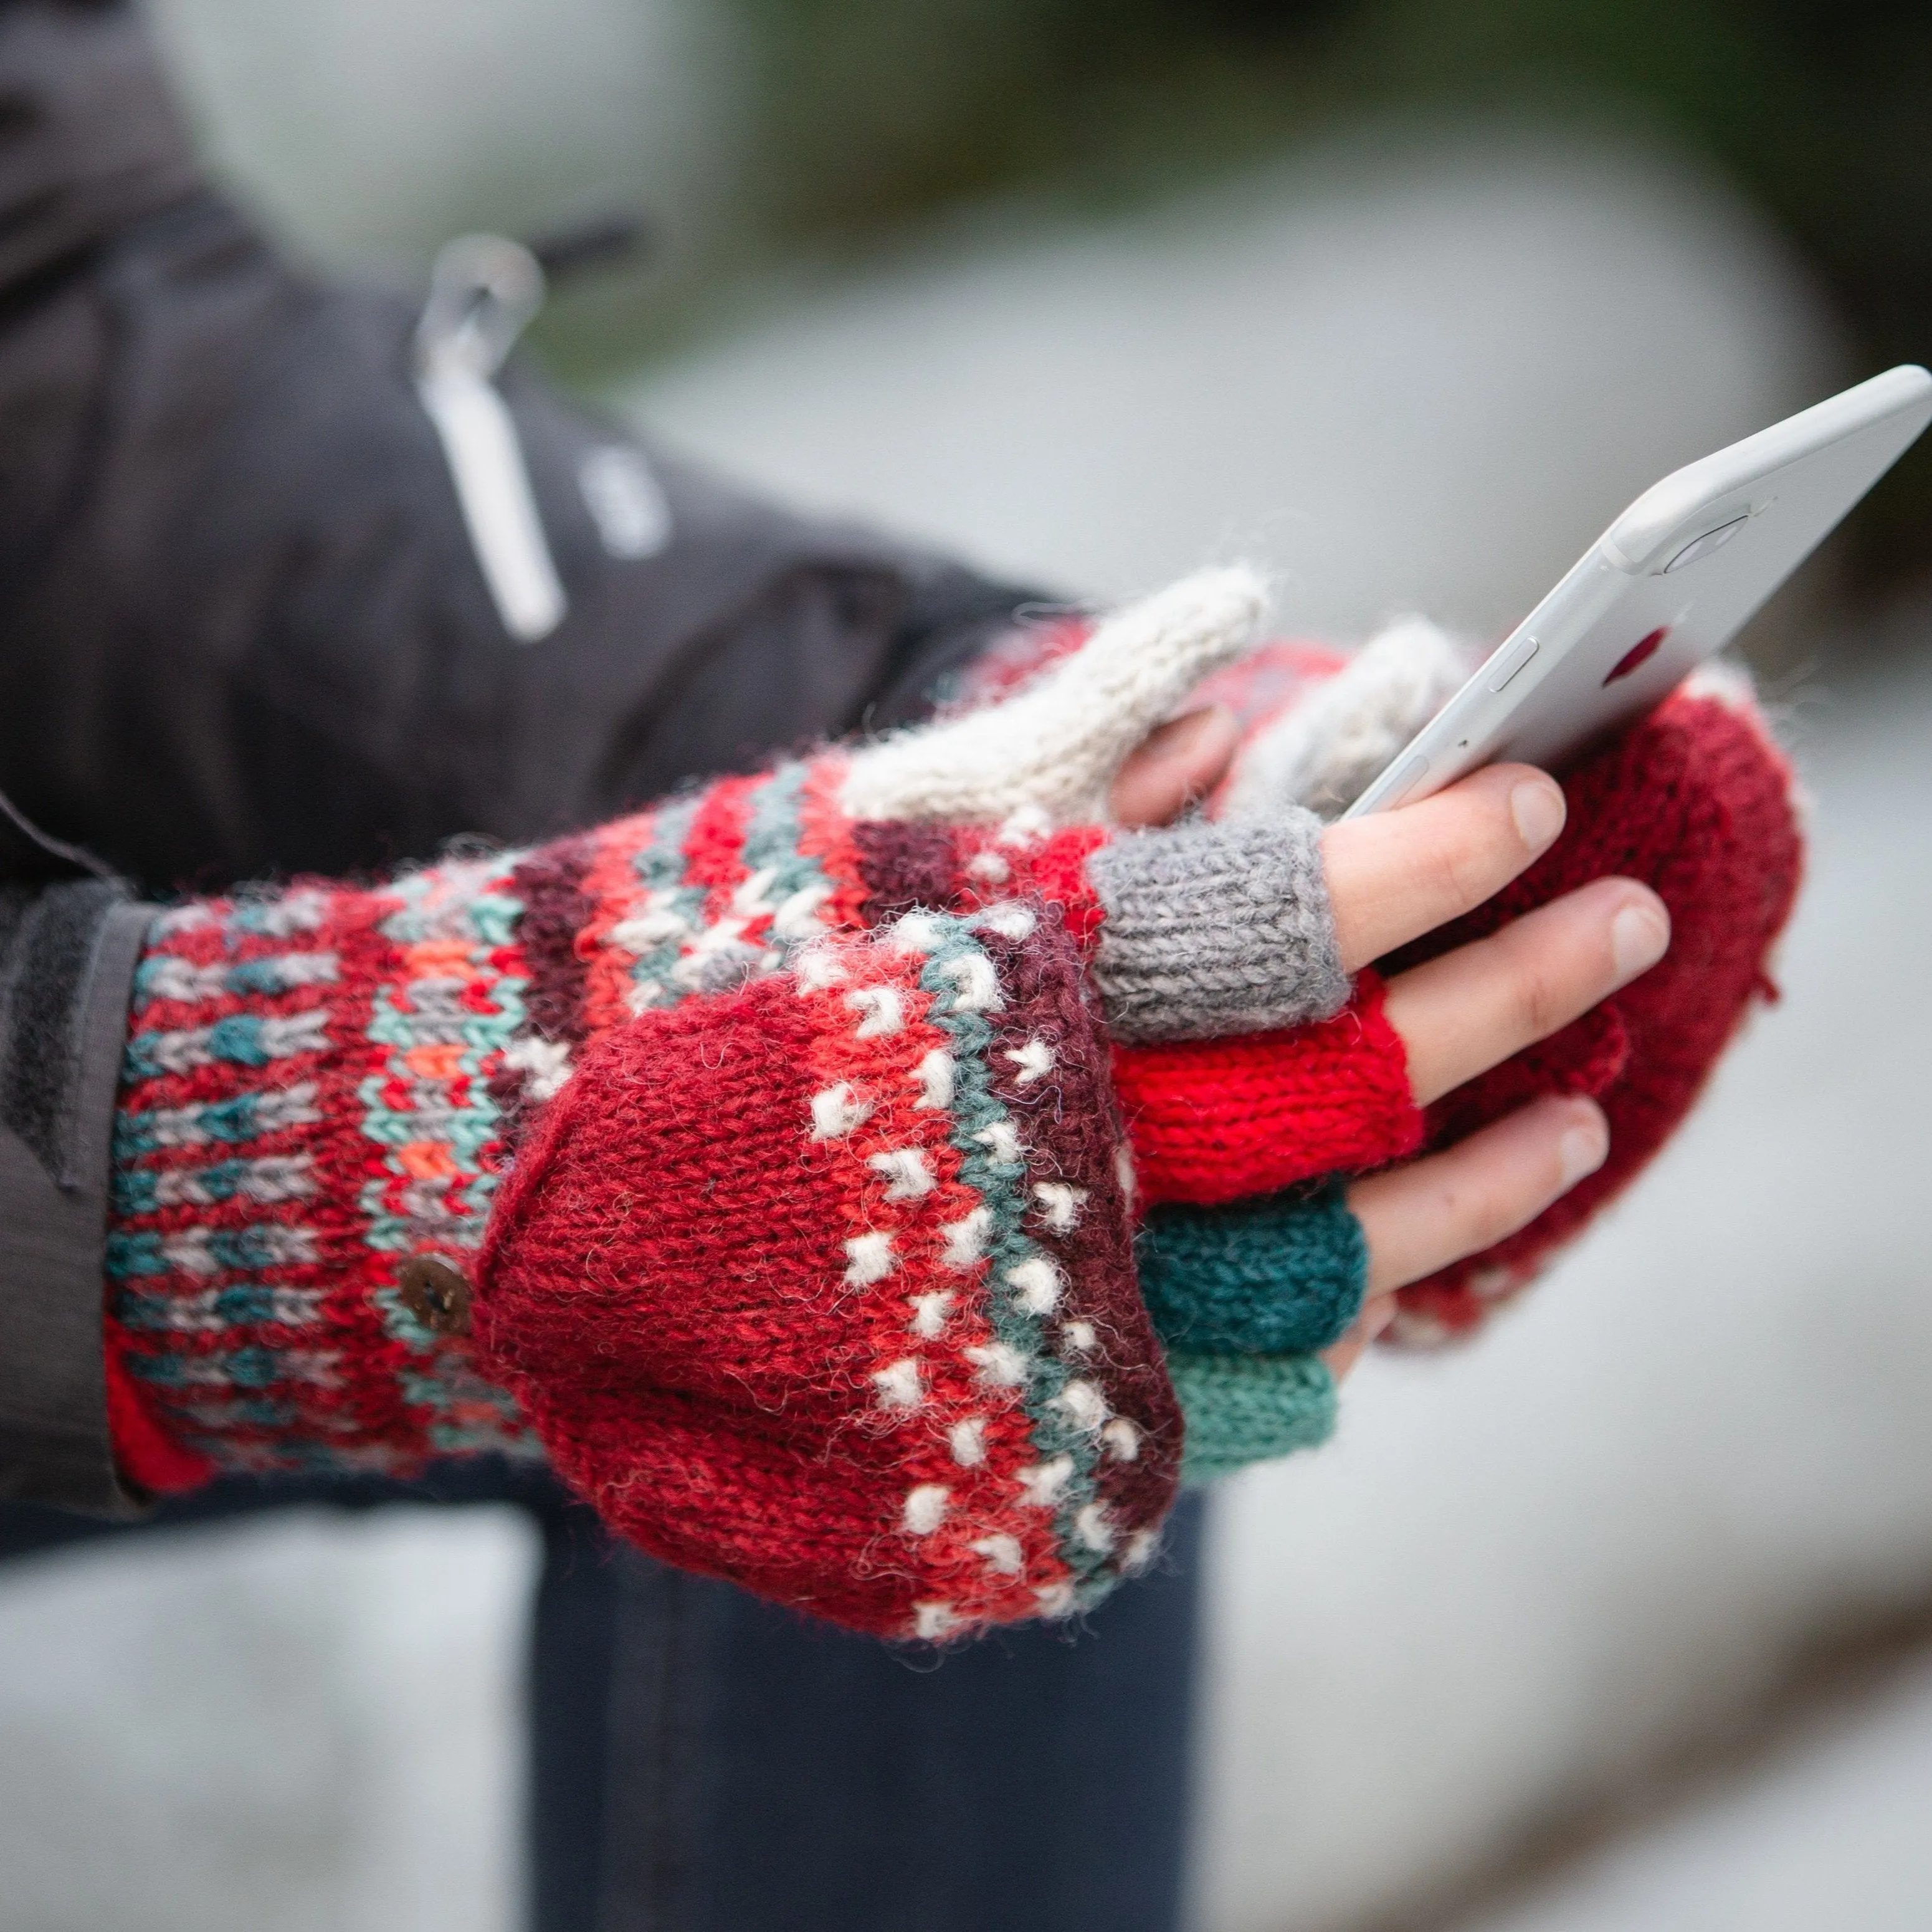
(856, 1327)
(852, 1324)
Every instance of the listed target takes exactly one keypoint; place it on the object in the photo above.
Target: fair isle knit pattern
(322, 1085)
(724, 886)
(306, 1099)
(873, 1232)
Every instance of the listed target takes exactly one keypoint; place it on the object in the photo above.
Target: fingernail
(1376, 1315)
(1639, 937)
(1582, 1150)
(1536, 805)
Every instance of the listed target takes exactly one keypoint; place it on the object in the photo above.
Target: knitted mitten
(868, 1317)
(1696, 801)
(1699, 802)
(824, 1285)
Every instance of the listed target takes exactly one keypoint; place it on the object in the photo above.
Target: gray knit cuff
(1216, 928)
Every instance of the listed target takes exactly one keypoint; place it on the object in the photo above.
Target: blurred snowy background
(1621, 1619)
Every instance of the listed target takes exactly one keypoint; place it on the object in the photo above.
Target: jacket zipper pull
(484, 292)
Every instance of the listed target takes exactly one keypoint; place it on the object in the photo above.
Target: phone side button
(1513, 663)
(1406, 780)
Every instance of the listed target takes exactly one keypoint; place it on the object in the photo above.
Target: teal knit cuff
(1283, 1276)
(1249, 1408)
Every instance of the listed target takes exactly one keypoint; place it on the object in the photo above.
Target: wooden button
(435, 1293)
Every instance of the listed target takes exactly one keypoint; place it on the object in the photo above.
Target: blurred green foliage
(876, 113)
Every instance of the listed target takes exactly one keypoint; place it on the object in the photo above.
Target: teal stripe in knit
(240, 1412)
(216, 1310)
(1280, 1276)
(485, 1438)
(493, 1423)
(242, 1040)
(799, 883)
(243, 1250)
(772, 835)
(1243, 1409)
(245, 1118)
(250, 1368)
(145, 1190)
(166, 976)
(660, 867)
(1003, 1188)
(474, 905)
(661, 864)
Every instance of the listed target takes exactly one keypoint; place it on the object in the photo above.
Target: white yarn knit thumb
(1323, 753)
(1054, 747)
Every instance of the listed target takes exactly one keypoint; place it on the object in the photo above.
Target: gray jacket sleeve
(67, 953)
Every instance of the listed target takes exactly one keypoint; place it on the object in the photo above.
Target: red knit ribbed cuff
(1216, 1120)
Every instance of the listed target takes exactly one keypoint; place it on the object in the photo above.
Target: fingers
(1421, 1218)
(1395, 875)
(1472, 1008)
(1055, 747)
(1417, 1219)
(1177, 764)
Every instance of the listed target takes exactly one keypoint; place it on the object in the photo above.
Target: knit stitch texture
(1218, 1120)
(323, 1084)
(1053, 747)
(1244, 1409)
(1696, 802)
(1322, 748)
(324, 1087)
(1280, 1276)
(1214, 930)
(789, 1281)
(826, 1287)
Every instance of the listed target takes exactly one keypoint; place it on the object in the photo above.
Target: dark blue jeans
(703, 1762)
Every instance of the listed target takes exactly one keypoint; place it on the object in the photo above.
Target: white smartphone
(1667, 585)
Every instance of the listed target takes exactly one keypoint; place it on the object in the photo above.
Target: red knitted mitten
(324, 1089)
(826, 1286)
(1697, 801)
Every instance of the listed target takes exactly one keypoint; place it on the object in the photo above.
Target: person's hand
(1392, 878)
